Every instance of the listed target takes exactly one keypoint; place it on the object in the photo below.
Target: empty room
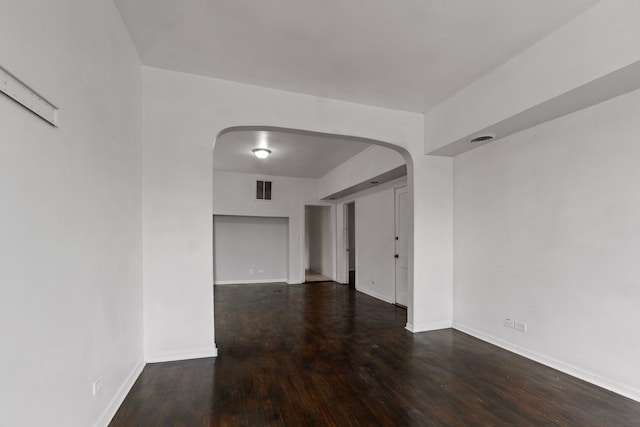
(340, 213)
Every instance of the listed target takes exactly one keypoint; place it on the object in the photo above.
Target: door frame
(396, 192)
(332, 230)
(347, 248)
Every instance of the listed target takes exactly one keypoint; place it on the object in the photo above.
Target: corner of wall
(113, 406)
(427, 327)
(186, 354)
(622, 389)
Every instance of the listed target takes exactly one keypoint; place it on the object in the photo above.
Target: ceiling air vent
(483, 138)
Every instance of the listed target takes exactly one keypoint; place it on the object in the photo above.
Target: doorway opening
(319, 253)
(402, 246)
(350, 235)
(314, 173)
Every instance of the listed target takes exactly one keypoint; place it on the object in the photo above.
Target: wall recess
(17, 90)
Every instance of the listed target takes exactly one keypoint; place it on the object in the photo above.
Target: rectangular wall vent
(263, 190)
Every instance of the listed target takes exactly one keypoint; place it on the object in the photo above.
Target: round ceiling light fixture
(261, 153)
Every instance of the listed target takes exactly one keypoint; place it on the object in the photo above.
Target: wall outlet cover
(97, 386)
(520, 326)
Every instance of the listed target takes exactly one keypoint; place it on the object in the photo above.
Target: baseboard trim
(172, 356)
(427, 327)
(376, 295)
(621, 389)
(113, 406)
(248, 282)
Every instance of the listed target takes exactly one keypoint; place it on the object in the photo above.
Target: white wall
(547, 232)
(369, 163)
(376, 233)
(431, 292)
(375, 240)
(183, 114)
(249, 249)
(70, 215)
(234, 194)
(319, 246)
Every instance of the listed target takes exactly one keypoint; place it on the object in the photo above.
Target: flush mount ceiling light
(483, 138)
(261, 153)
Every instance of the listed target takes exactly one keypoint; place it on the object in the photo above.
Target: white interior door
(402, 246)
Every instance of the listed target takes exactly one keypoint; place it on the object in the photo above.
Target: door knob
(396, 256)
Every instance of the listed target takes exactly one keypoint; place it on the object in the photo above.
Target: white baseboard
(113, 406)
(376, 295)
(248, 282)
(622, 389)
(171, 356)
(426, 327)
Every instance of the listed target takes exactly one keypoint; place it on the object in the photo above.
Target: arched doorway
(183, 115)
(338, 200)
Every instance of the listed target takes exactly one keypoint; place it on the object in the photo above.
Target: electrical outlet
(508, 323)
(97, 386)
(251, 271)
(260, 271)
(522, 327)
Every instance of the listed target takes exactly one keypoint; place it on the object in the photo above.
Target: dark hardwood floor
(326, 355)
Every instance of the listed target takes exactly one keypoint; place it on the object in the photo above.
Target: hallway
(319, 355)
(311, 276)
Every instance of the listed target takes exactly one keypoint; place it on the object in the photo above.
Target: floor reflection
(324, 354)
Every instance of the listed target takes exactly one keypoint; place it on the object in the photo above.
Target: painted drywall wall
(434, 275)
(320, 235)
(249, 249)
(234, 194)
(433, 249)
(547, 232)
(365, 165)
(342, 257)
(375, 265)
(70, 216)
(183, 114)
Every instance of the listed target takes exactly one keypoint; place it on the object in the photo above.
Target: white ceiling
(403, 54)
(293, 154)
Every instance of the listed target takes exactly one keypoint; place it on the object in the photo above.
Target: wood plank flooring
(326, 355)
(311, 276)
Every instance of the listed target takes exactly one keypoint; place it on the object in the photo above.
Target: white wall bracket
(15, 89)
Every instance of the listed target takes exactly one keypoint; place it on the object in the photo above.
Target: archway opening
(322, 169)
